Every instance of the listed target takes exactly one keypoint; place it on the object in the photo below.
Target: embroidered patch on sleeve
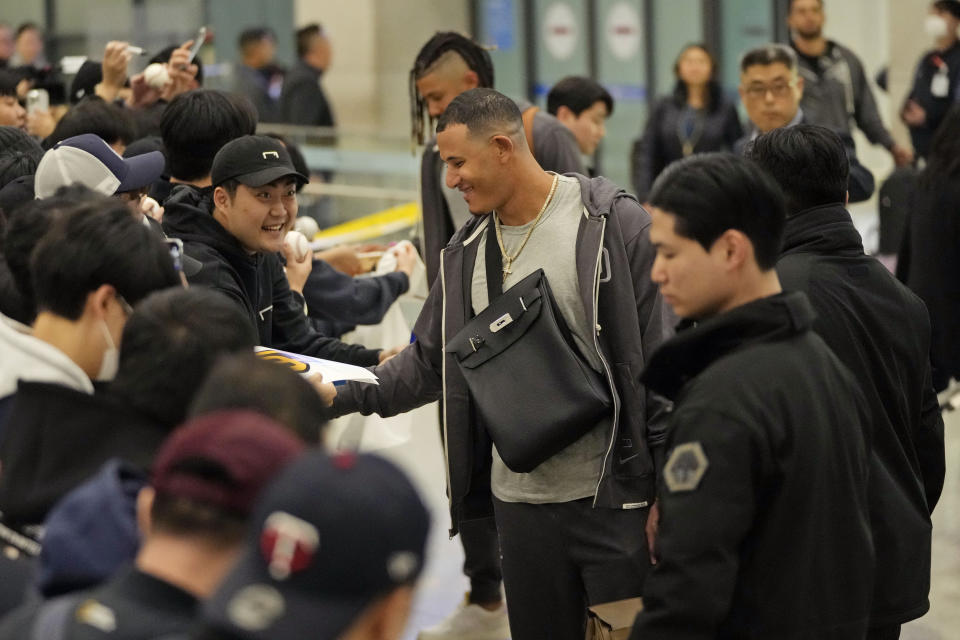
(685, 467)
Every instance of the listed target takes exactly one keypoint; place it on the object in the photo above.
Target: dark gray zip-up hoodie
(614, 257)
(838, 92)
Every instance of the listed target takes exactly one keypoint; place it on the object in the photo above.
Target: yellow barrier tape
(373, 225)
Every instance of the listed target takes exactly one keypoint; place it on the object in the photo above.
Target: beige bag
(612, 620)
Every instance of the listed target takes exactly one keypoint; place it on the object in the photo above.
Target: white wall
(402, 29)
(907, 42)
(374, 44)
(350, 83)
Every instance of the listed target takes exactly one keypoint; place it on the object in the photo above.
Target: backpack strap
(528, 116)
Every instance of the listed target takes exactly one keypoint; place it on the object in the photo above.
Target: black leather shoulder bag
(533, 390)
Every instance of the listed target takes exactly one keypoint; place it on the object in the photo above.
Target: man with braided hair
(447, 65)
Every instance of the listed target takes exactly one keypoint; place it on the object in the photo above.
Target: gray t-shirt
(573, 473)
(459, 211)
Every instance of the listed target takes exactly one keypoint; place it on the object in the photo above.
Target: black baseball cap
(329, 537)
(254, 161)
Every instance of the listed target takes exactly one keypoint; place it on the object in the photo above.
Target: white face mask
(111, 357)
(935, 26)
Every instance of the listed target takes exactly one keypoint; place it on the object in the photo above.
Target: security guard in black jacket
(764, 529)
(881, 331)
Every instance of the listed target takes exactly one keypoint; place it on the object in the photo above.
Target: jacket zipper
(443, 380)
(606, 367)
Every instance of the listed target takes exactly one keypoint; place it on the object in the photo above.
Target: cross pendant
(506, 268)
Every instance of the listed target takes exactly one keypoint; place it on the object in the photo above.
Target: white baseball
(156, 75)
(307, 226)
(298, 245)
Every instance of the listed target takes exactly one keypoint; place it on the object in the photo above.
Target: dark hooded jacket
(764, 524)
(256, 282)
(880, 330)
(337, 302)
(929, 263)
(613, 260)
(57, 437)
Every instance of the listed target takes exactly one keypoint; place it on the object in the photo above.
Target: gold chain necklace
(507, 258)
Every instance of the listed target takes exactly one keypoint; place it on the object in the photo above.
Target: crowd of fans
(158, 480)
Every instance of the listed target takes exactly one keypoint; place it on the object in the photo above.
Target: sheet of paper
(308, 366)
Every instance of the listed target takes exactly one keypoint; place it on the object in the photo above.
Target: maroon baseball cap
(223, 459)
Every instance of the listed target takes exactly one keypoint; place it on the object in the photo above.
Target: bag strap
(494, 263)
(528, 116)
(494, 269)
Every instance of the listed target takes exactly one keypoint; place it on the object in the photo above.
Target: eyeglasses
(127, 309)
(778, 89)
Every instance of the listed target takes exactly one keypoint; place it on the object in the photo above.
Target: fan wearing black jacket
(764, 527)
(881, 331)
(236, 231)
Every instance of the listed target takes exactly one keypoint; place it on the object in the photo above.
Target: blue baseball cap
(88, 160)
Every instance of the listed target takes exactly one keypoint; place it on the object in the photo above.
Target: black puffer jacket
(764, 529)
(880, 330)
(256, 282)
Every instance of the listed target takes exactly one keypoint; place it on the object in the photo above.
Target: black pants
(884, 633)
(558, 559)
(481, 551)
(481, 559)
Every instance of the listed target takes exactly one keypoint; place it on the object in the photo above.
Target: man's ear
(799, 87)
(470, 79)
(565, 114)
(505, 147)
(144, 506)
(98, 300)
(736, 249)
(221, 199)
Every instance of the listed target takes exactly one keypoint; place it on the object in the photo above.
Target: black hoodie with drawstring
(256, 282)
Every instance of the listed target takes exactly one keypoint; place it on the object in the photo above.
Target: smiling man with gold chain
(560, 431)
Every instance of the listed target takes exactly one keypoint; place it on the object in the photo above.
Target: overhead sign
(623, 30)
(560, 30)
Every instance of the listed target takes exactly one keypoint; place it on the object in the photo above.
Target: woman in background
(697, 118)
(929, 261)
